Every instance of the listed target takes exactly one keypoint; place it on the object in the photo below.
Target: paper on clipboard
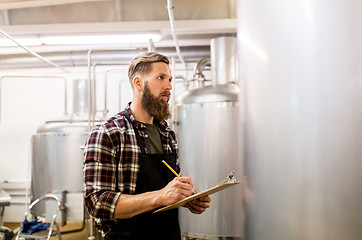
(209, 191)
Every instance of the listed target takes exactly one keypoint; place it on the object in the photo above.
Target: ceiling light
(100, 39)
(25, 41)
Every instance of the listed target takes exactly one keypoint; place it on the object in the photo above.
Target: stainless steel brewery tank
(57, 156)
(303, 112)
(209, 149)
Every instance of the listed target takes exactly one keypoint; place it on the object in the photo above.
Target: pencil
(170, 168)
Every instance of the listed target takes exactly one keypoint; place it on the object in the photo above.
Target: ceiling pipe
(79, 58)
(40, 3)
(31, 52)
(170, 8)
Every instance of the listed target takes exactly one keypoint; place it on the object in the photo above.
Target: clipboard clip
(229, 179)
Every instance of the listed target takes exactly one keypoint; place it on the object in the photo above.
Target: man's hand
(199, 205)
(176, 190)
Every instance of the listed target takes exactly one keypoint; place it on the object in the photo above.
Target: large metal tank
(207, 132)
(57, 156)
(303, 85)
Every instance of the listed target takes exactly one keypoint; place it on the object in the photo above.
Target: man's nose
(169, 85)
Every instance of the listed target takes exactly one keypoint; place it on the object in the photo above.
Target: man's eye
(161, 77)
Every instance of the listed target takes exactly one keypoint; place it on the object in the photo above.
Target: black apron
(153, 175)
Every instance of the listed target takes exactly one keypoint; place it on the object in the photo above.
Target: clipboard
(209, 191)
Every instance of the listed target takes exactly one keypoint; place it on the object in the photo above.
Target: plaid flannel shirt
(110, 144)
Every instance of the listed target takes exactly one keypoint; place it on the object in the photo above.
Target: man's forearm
(131, 205)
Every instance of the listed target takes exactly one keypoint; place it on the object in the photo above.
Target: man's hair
(141, 64)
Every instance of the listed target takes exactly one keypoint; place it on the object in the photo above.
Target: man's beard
(156, 107)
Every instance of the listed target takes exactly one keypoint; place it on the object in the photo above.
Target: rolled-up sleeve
(99, 174)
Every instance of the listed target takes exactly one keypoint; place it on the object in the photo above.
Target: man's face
(156, 91)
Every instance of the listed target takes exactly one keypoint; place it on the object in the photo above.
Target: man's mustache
(165, 93)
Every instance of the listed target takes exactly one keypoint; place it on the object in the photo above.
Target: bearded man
(125, 179)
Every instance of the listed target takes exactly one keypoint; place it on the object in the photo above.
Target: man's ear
(138, 83)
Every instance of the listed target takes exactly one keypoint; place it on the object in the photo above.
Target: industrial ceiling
(196, 23)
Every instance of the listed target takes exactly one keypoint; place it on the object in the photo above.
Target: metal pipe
(89, 58)
(63, 207)
(40, 76)
(80, 96)
(77, 229)
(31, 52)
(92, 84)
(118, 8)
(105, 110)
(94, 94)
(181, 79)
(173, 91)
(151, 46)
(94, 90)
(199, 67)
(232, 7)
(40, 3)
(16, 61)
(6, 17)
(171, 16)
(105, 86)
(120, 93)
(91, 228)
(177, 79)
